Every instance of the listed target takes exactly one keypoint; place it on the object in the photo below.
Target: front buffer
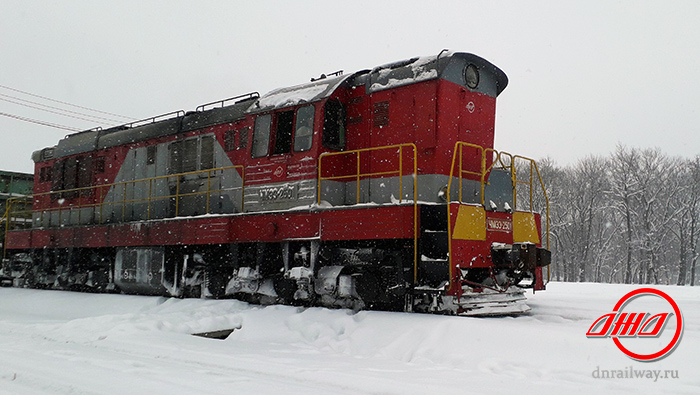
(494, 256)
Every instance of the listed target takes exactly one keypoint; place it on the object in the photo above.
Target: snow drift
(59, 342)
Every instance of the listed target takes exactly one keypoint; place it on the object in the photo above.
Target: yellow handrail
(498, 158)
(359, 175)
(8, 218)
(533, 166)
(124, 201)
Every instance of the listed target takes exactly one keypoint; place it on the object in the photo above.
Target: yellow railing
(502, 160)
(80, 197)
(12, 217)
(358, 175)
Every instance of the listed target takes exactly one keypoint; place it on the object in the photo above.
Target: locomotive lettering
(282, 192)
(499, 225)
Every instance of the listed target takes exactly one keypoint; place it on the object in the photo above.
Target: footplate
(490, 302)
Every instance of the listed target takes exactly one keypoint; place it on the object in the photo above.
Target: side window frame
(261, 136)
(334, 125)
(284, 130)
(304, 128)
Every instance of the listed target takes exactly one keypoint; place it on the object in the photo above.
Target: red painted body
(433, 114)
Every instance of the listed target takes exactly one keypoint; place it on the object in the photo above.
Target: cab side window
(261, 136)
(304, 129)
(334, 125)
(283, 135)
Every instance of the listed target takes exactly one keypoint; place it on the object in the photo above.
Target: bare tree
(631, 217)
(624, 189)
(688, 230)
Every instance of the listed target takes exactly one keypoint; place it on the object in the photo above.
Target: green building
(14, 185)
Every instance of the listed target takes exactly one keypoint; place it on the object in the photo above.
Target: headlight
(471, 76)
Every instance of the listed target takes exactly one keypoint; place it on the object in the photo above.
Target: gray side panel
(280, 195)
(221, 192)
(386, 190)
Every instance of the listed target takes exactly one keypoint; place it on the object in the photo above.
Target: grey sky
(583, 75)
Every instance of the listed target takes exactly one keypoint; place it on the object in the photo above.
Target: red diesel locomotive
(376, 189)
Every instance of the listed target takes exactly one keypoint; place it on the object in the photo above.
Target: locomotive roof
(446, 65)
(164, 125)
(294, 95)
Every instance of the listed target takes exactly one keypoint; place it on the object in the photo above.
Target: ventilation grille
(381, 114)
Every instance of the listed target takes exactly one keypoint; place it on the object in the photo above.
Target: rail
(220, 103)
(357, 174)
(96, 197)
(146, 121)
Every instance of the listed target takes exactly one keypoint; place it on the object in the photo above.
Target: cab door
(283, 170)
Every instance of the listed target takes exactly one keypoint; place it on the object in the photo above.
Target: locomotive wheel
(377, 291)
(217, 285)
(367, 286)
(193, 291)
(285, 289)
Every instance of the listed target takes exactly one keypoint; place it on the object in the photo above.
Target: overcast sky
(584, 76)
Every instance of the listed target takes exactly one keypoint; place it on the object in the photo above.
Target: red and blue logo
(641, 325)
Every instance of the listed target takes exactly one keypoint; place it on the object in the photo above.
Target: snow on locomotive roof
(304, 93)
(448, 65)
(386, 76)
(405, 72)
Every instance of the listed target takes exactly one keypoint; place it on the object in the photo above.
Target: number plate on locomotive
(499, 225)
(282, 192)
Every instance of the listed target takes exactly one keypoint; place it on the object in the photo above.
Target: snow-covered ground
(70, 343)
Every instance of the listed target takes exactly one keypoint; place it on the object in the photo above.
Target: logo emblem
(278, 171)
(471, 107)
(619, 324)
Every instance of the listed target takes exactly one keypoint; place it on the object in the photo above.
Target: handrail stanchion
(150, 195)
(358, 175)
(400, 173)
(358, 178)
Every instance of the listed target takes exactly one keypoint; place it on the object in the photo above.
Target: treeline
(631, 217)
